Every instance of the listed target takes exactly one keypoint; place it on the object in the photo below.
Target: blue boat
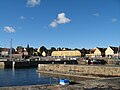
(64, 82)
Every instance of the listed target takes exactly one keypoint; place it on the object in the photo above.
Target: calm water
(22, 77)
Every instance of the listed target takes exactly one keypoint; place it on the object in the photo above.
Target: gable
(109, 51)
(97, 51)
(115, 49)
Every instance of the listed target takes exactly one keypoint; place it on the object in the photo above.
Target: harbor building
(112, 51)
(66, 54)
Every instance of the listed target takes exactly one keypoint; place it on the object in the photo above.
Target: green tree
(20, 49)
(30, 50)
(77, 49)
(49, 52)
(59, 49)
(83, 52)
(43, 48)
(0, 49)
(53, 49)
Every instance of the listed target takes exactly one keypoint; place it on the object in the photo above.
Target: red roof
(5, 49)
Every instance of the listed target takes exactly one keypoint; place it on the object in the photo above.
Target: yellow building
(100, 52)
(69, 53)
(97, 52)
(111, 51)
(90, 55)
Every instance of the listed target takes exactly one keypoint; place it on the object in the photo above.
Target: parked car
(97, 61)
(117, 62)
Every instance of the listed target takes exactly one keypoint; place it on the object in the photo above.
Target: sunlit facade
(68, 53)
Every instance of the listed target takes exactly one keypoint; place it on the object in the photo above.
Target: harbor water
(24, 77)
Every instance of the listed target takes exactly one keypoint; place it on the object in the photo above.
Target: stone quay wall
(2, 64)
(81, 69)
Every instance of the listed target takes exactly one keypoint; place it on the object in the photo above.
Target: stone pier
(102, 70)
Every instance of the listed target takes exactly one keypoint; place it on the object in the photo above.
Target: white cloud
(96, 14)
(114, 19)
(9, 29)
(22, 17)
(54, 24)
(61, 19)
(32, 3)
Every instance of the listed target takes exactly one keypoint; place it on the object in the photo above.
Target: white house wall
(109, 51)
(97, 52)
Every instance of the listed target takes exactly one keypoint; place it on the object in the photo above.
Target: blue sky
(60, 23)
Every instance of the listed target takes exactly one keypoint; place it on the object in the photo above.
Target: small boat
(64, 81)
(57, 59)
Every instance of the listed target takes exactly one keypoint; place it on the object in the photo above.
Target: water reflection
(20, 77)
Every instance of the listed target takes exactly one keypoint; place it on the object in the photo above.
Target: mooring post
(52, 62)
(13, 64)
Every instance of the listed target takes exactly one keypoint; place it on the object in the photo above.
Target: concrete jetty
(102, 70)
(30, 64)
(5, 64)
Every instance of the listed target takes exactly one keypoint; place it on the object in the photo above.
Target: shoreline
(82, 85)
(72, 75)
(86, 83)
(83, 82)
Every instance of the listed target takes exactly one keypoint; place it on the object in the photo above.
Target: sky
(60, 23)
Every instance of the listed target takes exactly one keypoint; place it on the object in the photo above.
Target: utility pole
(10, 46)
(118, 52)
(11, 49)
